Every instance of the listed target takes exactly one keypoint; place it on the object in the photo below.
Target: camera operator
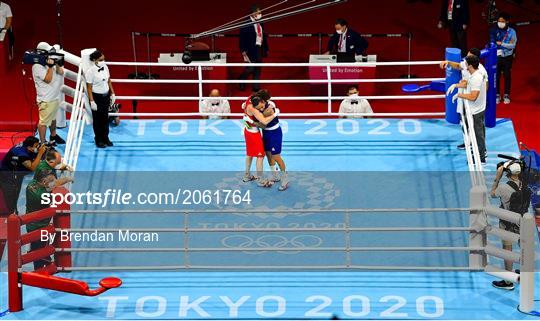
(48, 80)
(514, 196)
(20, 160)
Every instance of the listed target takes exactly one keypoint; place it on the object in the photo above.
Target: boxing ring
(384, 218)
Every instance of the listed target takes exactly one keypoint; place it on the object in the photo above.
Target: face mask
(339, 32)
(353, 95)
(258, 17)
(35, 150)
(501, 25)
(59, 166)
(101, 64)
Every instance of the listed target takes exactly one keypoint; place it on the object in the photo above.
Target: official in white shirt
(48, 81)
(354, 105)
(6, 16)
(475, 101)
(214, 104)
(101, 96)
(6, 21)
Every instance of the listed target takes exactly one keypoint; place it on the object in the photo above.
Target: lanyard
(505, 35)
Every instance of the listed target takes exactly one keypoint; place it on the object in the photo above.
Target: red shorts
(254, 144)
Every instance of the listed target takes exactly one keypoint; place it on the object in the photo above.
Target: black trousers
(255, 71)
(10, 187)
(101, 117)
(504, 68)
(458, 39)
(480, 132)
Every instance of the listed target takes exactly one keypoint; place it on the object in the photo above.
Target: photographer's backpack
(520, 199)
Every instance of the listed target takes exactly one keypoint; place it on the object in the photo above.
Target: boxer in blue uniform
(273, 140)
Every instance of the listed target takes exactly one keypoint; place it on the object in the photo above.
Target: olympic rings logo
(321, 194)
(271, 241)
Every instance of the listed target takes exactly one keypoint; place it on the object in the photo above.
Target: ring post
(491, 67)
(478, 223)
(62, 220)
(14, 263)
(452, 77)
(526, 293)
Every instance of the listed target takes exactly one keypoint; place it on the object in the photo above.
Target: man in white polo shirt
(475, 101)
(6, 21)
(48, 81)
(214, 104)
(6, 16)
(354, 105)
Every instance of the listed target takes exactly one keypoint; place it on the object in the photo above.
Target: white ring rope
(290, 98)
(281, 115)
(304, 64)
(273, 81)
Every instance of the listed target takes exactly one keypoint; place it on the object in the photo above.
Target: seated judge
(346, 40)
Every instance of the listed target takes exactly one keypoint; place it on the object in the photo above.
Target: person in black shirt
(20, 160)
(346, 40)
(455, 16)
(253, 46)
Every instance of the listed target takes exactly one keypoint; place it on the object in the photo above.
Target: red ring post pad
(46, 281)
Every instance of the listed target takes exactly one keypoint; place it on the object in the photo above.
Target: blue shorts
(272, 140)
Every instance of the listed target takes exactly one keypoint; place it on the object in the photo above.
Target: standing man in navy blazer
(455, 16)
(346, 40)
(253, 46)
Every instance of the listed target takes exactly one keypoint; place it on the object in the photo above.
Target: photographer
(53, 162)
(48, 80)
(515, 196)
(20, 160)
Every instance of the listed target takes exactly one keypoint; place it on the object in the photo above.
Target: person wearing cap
(48, 80)
(253, 46)
(504, 193)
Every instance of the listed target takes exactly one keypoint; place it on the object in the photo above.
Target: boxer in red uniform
(253, 137)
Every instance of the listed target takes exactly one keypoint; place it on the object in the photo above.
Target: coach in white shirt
(354, 105)
(463, 65)
(214, 104)
(101, 96)
(6, 21)
(48, 81)
(475, 101)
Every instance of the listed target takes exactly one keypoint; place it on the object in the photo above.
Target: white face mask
(35, 150)
(501, 25)
(59, 166)
(258, 17)
(353, 95)
(101, 64)
(339, 32)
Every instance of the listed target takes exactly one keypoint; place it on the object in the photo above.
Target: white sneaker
(506, 99)
(498, 100)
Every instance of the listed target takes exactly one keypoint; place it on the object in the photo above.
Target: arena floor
(333, 164)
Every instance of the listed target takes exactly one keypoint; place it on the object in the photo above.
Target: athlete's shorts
(273, 140)
(47, 112)
(254, 144)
